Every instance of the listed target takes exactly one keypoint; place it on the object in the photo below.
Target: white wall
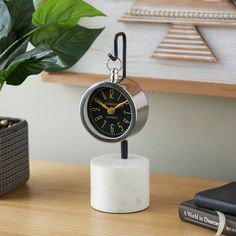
(143, 38)
(184, 135)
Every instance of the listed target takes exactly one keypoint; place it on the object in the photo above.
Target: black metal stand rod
(124, 51)
(124, 149)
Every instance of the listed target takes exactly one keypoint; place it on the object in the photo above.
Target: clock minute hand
(101, 104)
(120, 105)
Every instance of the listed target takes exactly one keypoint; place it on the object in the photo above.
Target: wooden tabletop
(55, 201)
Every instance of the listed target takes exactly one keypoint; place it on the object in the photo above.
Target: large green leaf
(3, 75)
(21, 14)
(72, 43)
(14, 48)
(38, 3)
(56, 14)
(32, 62)
(54, 55)
(5, 25)
(63, 12)
(19, 49)
(5, 20)
(59, 41)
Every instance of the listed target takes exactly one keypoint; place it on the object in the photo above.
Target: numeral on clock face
(98, 118)
(112, 130)
(109, 112)
(127, 112)
(95, 109)
(118, 99)
(104, 95)
(120, 126)
(112, 93)
(104, 123)
(126, 121)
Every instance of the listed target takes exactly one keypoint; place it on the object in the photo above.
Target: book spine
(205, 219)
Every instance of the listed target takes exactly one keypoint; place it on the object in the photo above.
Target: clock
(113, 110)
(109, 111)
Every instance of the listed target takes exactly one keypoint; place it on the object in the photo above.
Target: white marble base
(120, 185)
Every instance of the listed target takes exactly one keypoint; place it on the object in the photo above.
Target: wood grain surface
(55, 201)
(148, 84)
(182, 13)
(184, 42)
(197, 12)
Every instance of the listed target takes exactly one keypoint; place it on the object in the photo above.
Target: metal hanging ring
(112, 68)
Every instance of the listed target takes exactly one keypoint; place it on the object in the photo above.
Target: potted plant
(51, 27)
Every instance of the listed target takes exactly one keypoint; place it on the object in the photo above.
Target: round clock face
(109, 112)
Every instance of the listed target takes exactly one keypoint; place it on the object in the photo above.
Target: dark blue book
(222, 199)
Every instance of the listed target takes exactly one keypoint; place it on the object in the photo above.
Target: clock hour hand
(120, 105)
(101, 104)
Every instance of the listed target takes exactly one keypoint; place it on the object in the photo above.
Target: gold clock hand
(120, 105)
(101, 104)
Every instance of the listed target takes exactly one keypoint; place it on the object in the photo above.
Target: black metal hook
(115, 57)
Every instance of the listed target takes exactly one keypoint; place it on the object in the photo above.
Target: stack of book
(202, 210)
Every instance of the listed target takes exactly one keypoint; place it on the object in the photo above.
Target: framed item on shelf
(205, 65)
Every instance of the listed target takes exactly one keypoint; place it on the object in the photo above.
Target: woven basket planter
(14, 155)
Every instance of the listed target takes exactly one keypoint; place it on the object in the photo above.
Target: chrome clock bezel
(84, 114)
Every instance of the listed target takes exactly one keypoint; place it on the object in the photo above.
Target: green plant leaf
(59, 41)
(53, 55)
(38, 3)
(30, 63)
(72, 43)
(63, 12)
(21, 14)
(13, 47)
(3, 76)
(56, 14)
(5, 25)
(19, 49)
(5, 20)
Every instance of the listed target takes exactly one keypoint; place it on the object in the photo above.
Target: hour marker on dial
(104, 95)
(107, 115)
(104, 123)
(127, 112)
(98, 118)
(125, 121)
(112, 93)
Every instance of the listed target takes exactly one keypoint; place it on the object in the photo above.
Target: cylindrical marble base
(120, 185)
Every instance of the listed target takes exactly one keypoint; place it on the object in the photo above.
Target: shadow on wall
(190, 135)
(184, 135)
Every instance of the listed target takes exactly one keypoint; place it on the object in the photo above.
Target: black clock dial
(109, 112)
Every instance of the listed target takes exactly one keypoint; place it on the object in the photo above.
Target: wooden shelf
(161, 85)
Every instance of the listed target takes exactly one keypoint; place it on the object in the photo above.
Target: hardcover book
(222, 199)
(206, 218)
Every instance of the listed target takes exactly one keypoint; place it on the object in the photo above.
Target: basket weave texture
(14, 155)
